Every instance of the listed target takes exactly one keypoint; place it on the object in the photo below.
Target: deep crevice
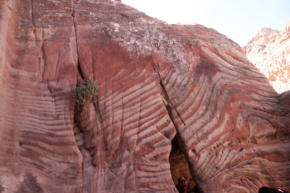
(81, 114)
(43, 56)
(77, 48)
(80, 122)
(80, 70)
(169, 105)
(80, 132)
(181, 170)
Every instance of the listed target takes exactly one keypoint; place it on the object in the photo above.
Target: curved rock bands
(232, 128)
(155, 80)
(129, 138)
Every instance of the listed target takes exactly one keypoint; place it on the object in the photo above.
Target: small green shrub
(86, 92)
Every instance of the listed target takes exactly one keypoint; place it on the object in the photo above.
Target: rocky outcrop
(270, 52)
(156, 82)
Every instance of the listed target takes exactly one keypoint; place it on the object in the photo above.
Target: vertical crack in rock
(181, 171)
(80, 70)
(43, 59)
(170, 108)
(84, 114)
(32, 13)
(77, 48)
(81, 114)
(180, 168)
(42, 48)
(179, 164)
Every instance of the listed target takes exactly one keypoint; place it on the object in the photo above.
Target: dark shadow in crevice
(180, 170)
(80, 70)
(271, 190)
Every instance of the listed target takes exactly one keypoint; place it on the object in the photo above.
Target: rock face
(270, 52)
(156, 82)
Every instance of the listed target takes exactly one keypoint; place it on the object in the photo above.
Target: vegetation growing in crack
(85, 96)
(86, 93)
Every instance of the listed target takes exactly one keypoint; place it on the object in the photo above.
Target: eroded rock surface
(155, 81)
(269, 50)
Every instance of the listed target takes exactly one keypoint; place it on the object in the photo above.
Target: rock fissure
(184, 181)
(32, 13)
(43, 56)
(77, 48)
(181, 172)
(81, 118)
(166, 96)
(80, 70)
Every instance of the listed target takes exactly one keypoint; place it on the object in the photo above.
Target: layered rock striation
(269, 50)
(155, 82)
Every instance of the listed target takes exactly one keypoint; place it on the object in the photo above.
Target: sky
(239, 20)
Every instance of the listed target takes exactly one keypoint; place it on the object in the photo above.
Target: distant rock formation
(156, 83)
(269, 50)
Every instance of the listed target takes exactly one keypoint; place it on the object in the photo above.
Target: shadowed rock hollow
(155, 81)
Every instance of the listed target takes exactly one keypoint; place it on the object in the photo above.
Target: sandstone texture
(269, 50)
(156, 82)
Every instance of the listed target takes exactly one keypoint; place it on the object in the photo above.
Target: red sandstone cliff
(156, 82)
(270, 52)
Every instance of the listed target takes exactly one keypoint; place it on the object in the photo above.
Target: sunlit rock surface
(155, 81)
(269, 50)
